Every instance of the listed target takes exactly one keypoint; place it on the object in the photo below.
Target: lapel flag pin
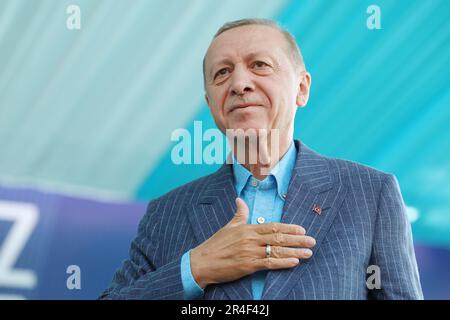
(317, 209)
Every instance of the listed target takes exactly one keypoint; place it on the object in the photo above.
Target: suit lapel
(314, 184)
(215, 208)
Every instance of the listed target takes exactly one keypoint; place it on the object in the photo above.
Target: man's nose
(241, 82)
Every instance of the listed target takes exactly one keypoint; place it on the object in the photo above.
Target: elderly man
(290, 225)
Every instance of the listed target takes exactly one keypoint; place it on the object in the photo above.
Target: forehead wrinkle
(253, 38)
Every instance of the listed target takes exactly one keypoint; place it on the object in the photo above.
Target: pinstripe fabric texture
(362, 222)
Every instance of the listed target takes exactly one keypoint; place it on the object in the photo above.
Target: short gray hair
(294, 50)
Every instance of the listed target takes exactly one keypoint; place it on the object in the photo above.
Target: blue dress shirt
(265, 200)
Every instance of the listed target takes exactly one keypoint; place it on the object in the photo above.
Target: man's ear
(303, 89)
(207, 100)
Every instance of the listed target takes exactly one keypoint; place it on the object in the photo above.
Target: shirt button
(261, 220)
(284, 195)
(254, 182)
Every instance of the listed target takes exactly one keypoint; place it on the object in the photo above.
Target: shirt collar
(241, 176)
(282, 172)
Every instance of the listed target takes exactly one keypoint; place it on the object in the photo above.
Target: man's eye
(221, 72)
(260, 64)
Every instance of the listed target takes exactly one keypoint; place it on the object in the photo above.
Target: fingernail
(308, 253)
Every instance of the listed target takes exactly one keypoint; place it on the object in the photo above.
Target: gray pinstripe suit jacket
(363, 222)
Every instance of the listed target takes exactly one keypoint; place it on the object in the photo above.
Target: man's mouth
(243, 106)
